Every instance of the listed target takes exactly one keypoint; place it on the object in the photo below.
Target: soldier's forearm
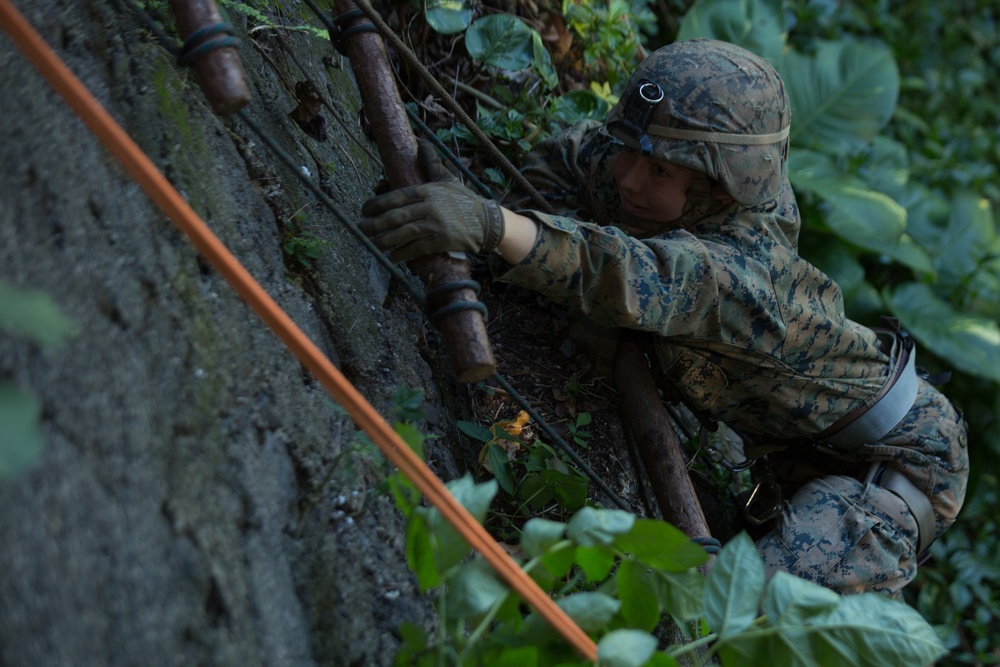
(520, 234)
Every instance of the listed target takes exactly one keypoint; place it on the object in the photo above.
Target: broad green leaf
(560, 562)
(596, 561)
(681, 594)
(788, 648)
(591, 611)
(790, 600)
(859, 214)
(516, 656)
(421, 554)
(636, 591)
(500, 465)
(542, 61)
(474, 497)
(626, 648)
(661, 545)
(842, 95)
(591, 526)
(538, 535)
(886, 167)
(734, 587)
(856, 213)
(33, 315)
(473, 589)
(579, 105)
(21, 440)
(662, 660)
(542, 487)
(968, 239)
(474, 431)
(501, 40)
(756, 25)
(870, 630)
(448, 16)
(448, 547)
(969, 342)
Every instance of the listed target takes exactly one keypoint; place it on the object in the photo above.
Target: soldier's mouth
(632, 208)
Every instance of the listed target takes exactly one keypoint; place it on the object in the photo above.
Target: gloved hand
(438, 216)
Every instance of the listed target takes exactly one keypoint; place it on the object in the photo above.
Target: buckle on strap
(919, 505)
(887, 408)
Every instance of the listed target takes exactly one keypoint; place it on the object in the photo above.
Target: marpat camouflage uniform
(747, 332)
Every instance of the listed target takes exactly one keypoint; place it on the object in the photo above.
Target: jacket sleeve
(664, 285)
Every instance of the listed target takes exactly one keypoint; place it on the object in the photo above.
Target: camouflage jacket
(747, 331)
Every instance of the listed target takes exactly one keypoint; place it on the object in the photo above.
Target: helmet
(712, 107)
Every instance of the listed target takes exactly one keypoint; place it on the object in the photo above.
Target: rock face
(200, 500)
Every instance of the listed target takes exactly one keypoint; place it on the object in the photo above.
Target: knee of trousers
(845, 535)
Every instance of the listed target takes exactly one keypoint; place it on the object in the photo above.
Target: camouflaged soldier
(676, 219)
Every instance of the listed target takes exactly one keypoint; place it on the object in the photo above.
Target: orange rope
(159, 189)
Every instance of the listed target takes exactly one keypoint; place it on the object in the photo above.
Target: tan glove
(441, 215)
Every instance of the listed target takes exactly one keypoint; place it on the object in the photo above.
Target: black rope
(381, 257)
(448, 153)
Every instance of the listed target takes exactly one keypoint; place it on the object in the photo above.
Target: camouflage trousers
(853, 537)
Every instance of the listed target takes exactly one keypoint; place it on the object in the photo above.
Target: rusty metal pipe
(464, 331)
(219, 70)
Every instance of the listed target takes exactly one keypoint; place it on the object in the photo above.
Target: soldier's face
(653, 193)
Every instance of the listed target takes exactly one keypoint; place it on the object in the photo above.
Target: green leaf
(447, 547)
(542, 61)
(501, 40)
(475, 431)
(448, 16)
(681, 594)
(591, 526)
(501, 467)
(626, 648)
(790, 600)
(33, 315)
(596, 562)
(734, 587)
(967, 240)
(842, 94)
(970, 342)
(637, 593)
(756, 25)
(870, 630)
(591, 611)
(516, 656)
(542, 487)
(661, 545)
(579, 105)
(21, 442)
(473, 589)
(474, 497)
(855, 212)
(421, 554)
(538, 535)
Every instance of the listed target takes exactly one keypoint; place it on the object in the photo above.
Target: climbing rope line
(117, 142)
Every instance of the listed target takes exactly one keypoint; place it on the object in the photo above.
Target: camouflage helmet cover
(724, 113)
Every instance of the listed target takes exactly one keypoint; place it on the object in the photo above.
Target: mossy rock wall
(200, 499)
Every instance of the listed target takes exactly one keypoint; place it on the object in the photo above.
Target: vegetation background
(895, 163)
